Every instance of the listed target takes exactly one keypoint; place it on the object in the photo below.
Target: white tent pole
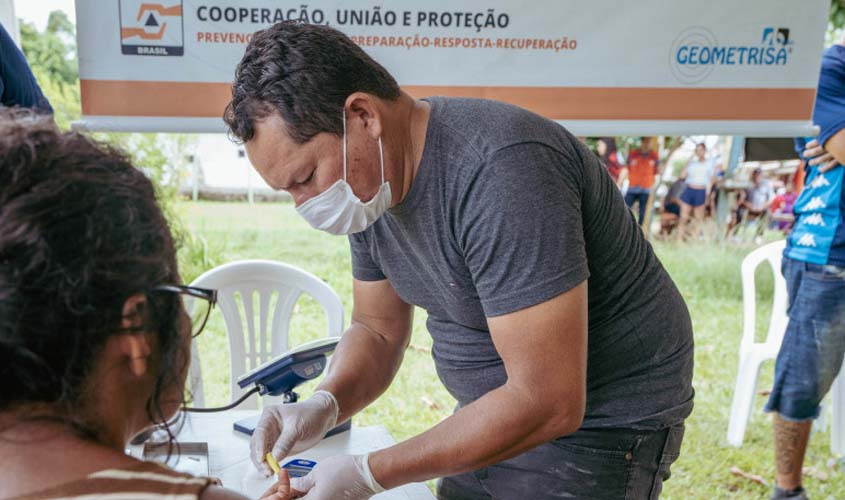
(9, 20)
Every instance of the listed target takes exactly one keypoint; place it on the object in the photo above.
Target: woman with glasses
(94, 337)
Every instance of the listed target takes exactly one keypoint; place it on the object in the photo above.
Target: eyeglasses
(198, 303)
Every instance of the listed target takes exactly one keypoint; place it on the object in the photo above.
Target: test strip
(272, 463)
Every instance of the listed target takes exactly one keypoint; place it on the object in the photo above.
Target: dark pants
(609, 464)
(639, 196)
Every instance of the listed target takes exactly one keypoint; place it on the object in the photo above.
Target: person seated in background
(713, 198)
(94, 340)
(752, 203)
(782, 206)
(671, 211)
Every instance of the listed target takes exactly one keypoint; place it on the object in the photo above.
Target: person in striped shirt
(94, 340)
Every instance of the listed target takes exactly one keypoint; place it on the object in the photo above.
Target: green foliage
(707, 275)
(162, 157)
(837, 13)
(836, 25)
(416, 400)
(53, 52)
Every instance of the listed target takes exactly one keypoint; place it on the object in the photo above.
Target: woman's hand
(281, 490)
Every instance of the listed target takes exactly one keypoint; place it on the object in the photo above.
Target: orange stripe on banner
(133, 98)
(180, 99)
(631, 103)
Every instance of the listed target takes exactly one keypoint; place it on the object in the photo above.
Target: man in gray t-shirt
(556, 328)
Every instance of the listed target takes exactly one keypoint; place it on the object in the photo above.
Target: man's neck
(415, 119)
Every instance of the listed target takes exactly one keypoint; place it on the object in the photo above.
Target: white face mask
(338, 211)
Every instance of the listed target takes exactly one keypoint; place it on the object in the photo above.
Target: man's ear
(134, 343)
(364, 107)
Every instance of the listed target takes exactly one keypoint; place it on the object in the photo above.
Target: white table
(229, 460)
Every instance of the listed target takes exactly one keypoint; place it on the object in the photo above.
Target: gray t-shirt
(508, 210)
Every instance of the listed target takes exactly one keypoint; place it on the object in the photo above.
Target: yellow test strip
(272, 463)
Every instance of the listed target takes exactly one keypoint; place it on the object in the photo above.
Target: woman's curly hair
(80, 232)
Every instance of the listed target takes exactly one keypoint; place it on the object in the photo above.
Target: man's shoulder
(487, 127)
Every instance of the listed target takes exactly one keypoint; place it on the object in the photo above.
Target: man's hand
(342, 476)
(292, 428)
(816, 155)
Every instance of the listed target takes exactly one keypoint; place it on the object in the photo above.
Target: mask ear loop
(381, 159)
(344, 145)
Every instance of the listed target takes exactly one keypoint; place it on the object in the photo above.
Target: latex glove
(346, 477)
(290, 428)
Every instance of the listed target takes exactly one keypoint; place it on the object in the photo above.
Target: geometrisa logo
(696, 52)
(150, 28)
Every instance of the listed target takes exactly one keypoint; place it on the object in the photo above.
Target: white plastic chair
(837, 430)
(248, 348)
(752, 354)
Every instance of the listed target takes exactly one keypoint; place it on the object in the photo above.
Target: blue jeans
(639, 196)
(601, 464)
(814, 343)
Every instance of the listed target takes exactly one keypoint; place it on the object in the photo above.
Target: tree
(54, 51)
(837, 14)
(52, 56)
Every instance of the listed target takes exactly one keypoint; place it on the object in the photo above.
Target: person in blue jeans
(17, 83)
(814, 267)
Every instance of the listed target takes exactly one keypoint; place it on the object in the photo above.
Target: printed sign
(600, 67)
(151, 29)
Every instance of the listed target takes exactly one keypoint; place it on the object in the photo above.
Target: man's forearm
(500, 425)
(361, 369)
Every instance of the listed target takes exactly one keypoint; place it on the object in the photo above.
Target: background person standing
(642, 169)
(700, 176)
(811, 354)
(606, 149)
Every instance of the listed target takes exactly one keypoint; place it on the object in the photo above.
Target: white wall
(223, 166)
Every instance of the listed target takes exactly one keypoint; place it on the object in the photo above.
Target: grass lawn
(707, 274)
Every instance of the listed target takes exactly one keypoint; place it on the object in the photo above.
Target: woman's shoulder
(150, 478)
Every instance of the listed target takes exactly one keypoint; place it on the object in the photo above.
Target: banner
(599, 67)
